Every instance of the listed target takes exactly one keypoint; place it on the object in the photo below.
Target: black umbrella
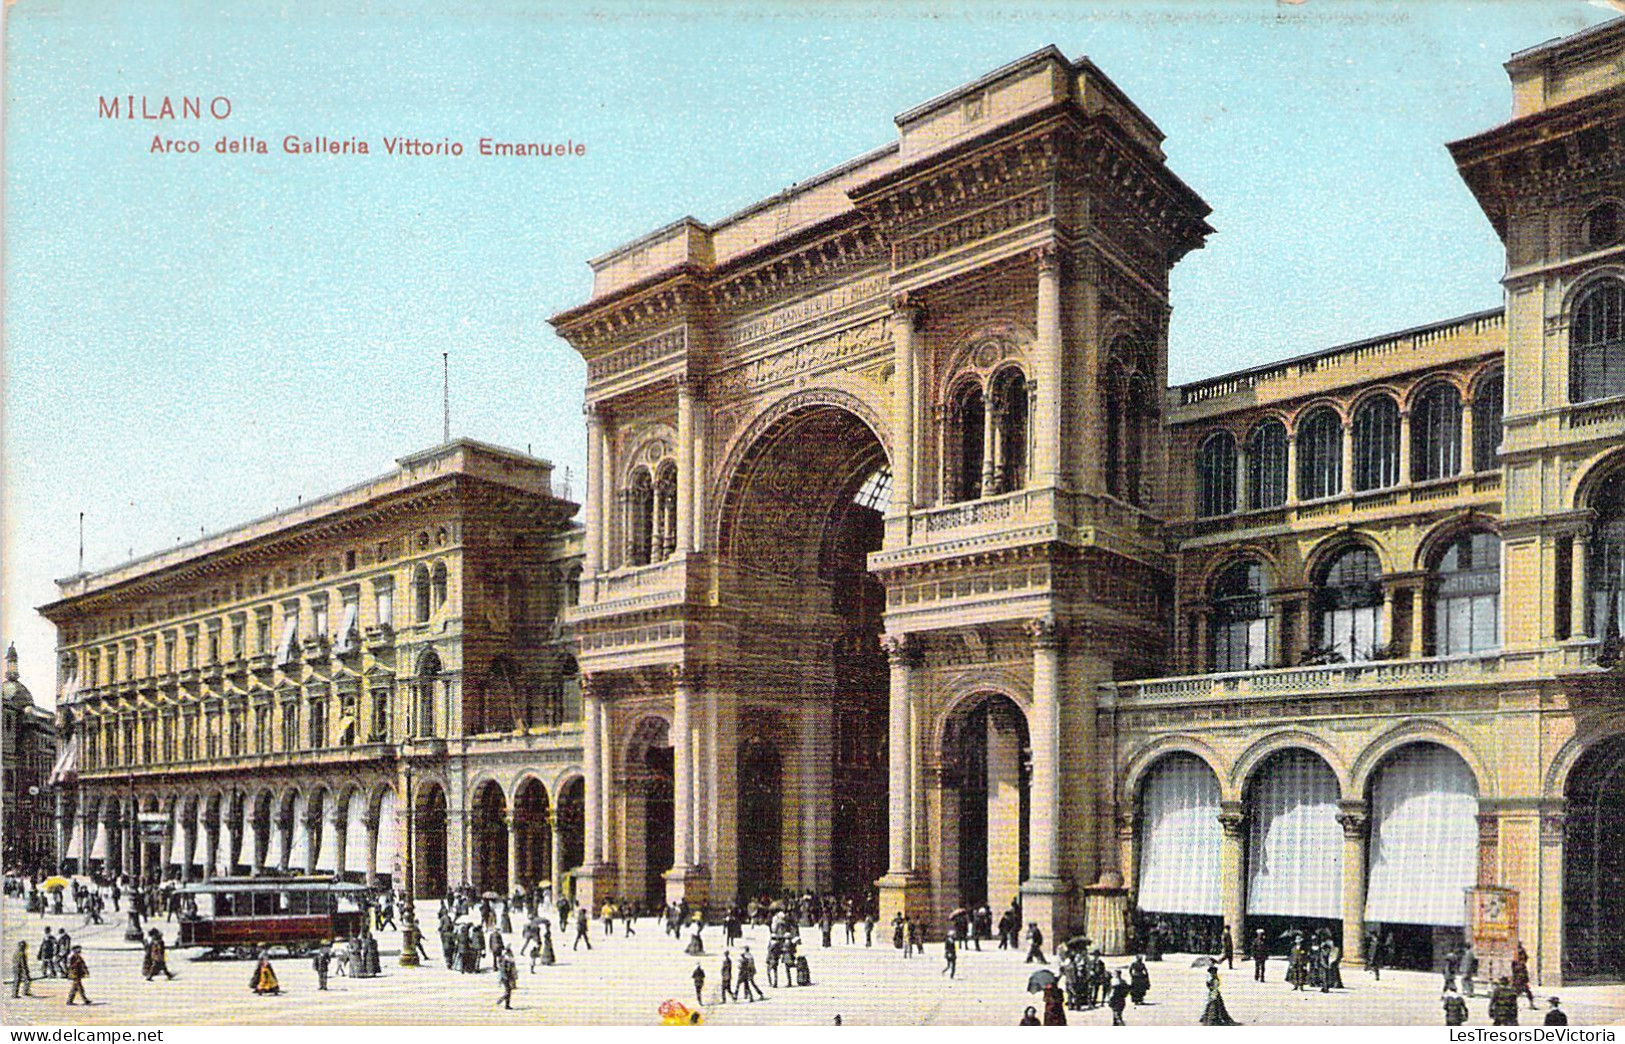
(1039, 979)
(1204, 960)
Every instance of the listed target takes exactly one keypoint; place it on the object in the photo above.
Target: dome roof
(12, 690)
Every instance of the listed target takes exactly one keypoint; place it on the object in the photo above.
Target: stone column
(341, 838)
(901, 890)
(987, 441)
(685, 466)
(1466, 436)
(682, 749)
(557, 867)
(1044, 893)
(1232, 866)
(1579, 611)
(1356, 823)
(233, 837)
(606, 781)
(594, 515)
(1046, 736)
(1048, 367)
(592, 844)
(1419, 609)
(513, 851)
(261, 840)
(1346, 479)
(1291, 467)
(1201, 655)
(1546, 910)
(1128, 862)
(904, 317)
(371, 872)
(62, 830)
(313, 840)
(1404, 445)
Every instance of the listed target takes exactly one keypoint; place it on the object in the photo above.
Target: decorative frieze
(811, 357)
(982, 224)
(656, 349)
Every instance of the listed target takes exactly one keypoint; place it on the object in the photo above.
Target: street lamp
(410, 933)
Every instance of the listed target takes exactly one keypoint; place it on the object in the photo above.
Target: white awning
(1295, 844)
(1179, 857)
(290, 631)
(76, 840)
(66, 769)
(348, 633)
(1424, 838)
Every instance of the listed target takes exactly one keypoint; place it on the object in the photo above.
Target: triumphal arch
(876, 468)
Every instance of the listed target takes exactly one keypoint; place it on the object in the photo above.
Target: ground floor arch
(1594, 865)
(1422, 853)
(488, 836)
(532, 835)
(1180, 853)
(986, 801)
(760, 825)
(649, 831)
(1294, 853)
(427, 843)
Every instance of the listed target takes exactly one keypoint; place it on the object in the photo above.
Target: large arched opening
(1594, 865)
(803, 511)
(1179, 885)
(650, 834)
(1422, 853)
(533, 835)
(986, 799)
(1294, 846)
(490, 837)
(572, 827)
(428, 842)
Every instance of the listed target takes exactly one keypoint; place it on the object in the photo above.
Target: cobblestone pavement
(622, 981)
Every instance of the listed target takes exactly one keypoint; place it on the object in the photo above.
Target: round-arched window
(1349, 601)
(1467, 600)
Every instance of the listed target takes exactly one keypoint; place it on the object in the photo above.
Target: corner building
(371, 684)
(904, 564)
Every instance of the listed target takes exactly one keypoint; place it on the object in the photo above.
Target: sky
(192, 341)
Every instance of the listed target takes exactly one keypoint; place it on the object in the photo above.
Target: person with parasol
(1215, 1014)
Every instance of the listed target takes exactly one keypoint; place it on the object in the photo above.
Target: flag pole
(445, 395)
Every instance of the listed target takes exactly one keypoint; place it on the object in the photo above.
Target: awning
(290, 630)
(66, 769)
(348, 634)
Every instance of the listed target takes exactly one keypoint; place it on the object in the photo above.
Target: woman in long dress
(264, 980)
(547, 943)
(696, 945)
(1215, 1014)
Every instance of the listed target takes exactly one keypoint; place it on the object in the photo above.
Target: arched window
(970, 420)
(1240, 628)
(572, 586)
(1607, 579)
(1597, 343)
(1376, 444)
(1467, 601)
(1266, 466)
(1349, 601)
(1140, 411)
(439, 585)
(421, 592)
(1436, 434)
(1116, 389)
(1216, 475)
(663, 540)
(428, 675)
(1487, 408)
(1320, 455)
(1009, 396)
(640, 505)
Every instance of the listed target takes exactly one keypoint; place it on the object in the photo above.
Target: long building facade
(904, 571)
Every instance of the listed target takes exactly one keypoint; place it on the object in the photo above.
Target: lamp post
(410, 933)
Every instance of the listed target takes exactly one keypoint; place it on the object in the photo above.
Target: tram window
(320, 902)
(298, 903)
(224, 904)
(266, 904)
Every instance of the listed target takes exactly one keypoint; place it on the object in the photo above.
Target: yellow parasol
(53, 884)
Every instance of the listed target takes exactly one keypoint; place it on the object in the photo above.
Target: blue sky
(192, 341)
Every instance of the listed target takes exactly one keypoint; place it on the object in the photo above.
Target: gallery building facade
(902, 566)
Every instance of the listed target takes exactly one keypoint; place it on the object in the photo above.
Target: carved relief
(802, 360)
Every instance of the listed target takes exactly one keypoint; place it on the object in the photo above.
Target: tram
(238, 916)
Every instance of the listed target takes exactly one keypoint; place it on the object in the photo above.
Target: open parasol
(1039, 979)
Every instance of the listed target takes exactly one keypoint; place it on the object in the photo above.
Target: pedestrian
(1556, 1016)
(1469, 969)
(1229, 949)
(1054, 1005)
(1331, 972)
(321, 960)
(747, 977)
(1035, 948)
(1139, 981)
(1374, 955)
(951, 956)
(582, 933)
(1261, 955)
(1520, 977)
(1215, 1014)
(20, 977)
(547, 957)
(1455, 1009)
(47, 955)
(1029, 1017)
(699, 985)
(156, 959)
(1504, 1003)
(264, 981)
(78, 972)
(508, 976)
(1119, 999)
(868, 929)
(1452, 964)
(727, 977)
